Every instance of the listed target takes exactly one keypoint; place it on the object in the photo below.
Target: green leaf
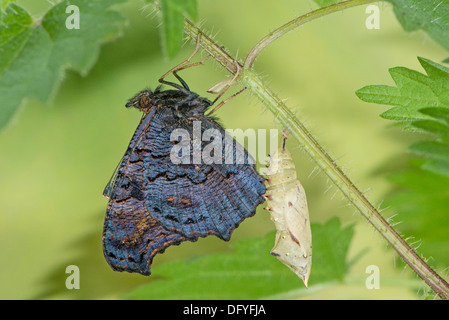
(413, 91)
(436, 128)
(439, 166)
(173, 12)
(437, 113)
(35, 54)
(382, 95)
(432, 16)
(5, 3)
(436, 153)
(432, 149)
(421, 103)
(423, 203)
(249, 272)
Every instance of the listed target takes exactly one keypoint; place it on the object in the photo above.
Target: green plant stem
(213, 49)
(295, 23)
(311, 146)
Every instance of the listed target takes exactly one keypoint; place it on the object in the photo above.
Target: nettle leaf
(430, 126)
(413, 91)
(422, 203)
(437, 113)
(35, 54)
(432, 16)
(436, 153)
(421, 104)
(6, 2)
(250, 272)
(172, 31)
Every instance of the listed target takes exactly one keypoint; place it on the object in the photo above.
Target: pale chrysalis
(288, 208)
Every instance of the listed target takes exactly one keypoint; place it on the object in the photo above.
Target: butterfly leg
(183, 65)
(222, 91)
(224, 101)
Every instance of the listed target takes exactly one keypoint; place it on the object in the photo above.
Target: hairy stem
(293, 24)
(311, 146)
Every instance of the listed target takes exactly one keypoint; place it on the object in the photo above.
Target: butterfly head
(183, 101)
(141, 101)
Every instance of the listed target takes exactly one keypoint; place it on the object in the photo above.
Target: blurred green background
(57, 157)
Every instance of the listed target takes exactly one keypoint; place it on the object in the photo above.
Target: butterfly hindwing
(198, 199)
(131, 236)
(155, 202)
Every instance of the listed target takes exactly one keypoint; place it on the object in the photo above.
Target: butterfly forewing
(155, 202)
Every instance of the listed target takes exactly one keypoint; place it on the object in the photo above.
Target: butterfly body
(155, 202)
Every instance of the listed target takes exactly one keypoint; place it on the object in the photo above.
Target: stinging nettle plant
(420, 104)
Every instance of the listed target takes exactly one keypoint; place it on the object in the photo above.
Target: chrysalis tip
(305, 280)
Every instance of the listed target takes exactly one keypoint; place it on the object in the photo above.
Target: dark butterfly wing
(110, 186)
(216, 206)
(131, 236)
(138, 134)
(155, 203)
